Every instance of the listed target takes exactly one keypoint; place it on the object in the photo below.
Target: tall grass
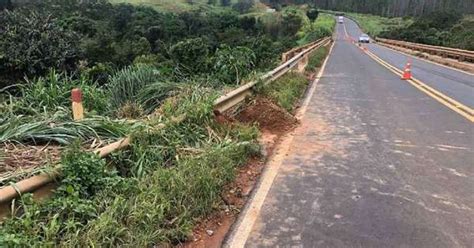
(316, 58)
(47, 94)
(60, 129)
(171, 177)
(287, 90)
(140, 86)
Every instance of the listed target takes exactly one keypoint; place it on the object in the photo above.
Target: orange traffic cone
(407, 72)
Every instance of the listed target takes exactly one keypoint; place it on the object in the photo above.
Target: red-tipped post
(77, 108)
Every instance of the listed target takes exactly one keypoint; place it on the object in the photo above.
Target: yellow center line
(345, 30)
(454, 105)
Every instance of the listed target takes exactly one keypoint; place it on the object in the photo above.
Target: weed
(287, 90)
(44, 224)
(125, 86)
(316, 58)
(49, 93)
(187, 159)
(165, 205)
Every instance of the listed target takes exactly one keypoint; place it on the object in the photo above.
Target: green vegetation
(60, 129)
(167, 5)
(149, 74)
(287, 90)
(374, 25)
(150, 194)
(438, 28)
(384, 7)
(323, 26)
(316, 58)
(126, 59)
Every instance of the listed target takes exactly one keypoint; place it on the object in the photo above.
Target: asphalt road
(451, 82)
(375, 162)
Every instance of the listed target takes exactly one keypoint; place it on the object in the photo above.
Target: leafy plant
(33, 42)
(233, 64)
(312, 14)
(44, 224)
(191, 54)
(287, 90)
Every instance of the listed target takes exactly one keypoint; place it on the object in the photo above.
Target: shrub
(312, 14)
(99, 73)
(191, 54)
(316, 58)
(233, 64)
(292, 21)
(287, 90)
(243, 6)
(32, 42)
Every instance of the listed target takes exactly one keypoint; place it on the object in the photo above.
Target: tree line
(386, 7)
(95, 38)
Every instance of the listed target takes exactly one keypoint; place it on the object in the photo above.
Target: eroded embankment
(274, 122)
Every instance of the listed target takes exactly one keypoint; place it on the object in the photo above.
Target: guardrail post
(302, 63)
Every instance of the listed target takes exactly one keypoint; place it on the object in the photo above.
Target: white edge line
(246, 220)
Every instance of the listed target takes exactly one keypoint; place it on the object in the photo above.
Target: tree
(191, 54)
(312, 14)
(233, 64)
(243, 6)
(225, 3)
(4, 4)
(292, 21)
(32, 42)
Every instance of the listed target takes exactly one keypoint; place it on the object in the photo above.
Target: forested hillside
(386, 7)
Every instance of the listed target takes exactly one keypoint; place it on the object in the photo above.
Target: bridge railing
(446, 52)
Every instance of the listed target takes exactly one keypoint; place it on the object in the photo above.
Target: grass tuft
(316, 58)
(287, 90)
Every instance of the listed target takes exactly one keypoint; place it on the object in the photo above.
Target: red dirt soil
(273, 122)
(269, 116)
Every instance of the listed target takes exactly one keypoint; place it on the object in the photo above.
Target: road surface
(375, 163)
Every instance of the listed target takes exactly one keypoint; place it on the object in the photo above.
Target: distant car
(340, 19)
(364, 39)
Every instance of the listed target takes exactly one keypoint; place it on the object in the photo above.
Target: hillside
(169, 5)
(385, 7)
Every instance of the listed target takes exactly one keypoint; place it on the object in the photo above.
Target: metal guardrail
(238, 95)
(459, 54)
(290, 54)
